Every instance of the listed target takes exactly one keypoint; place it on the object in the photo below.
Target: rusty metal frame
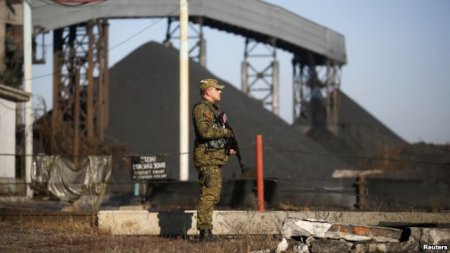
(84, 48)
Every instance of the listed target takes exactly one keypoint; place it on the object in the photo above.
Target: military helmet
(207, 83)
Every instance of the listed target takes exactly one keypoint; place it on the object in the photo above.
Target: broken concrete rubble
(332, 246)
(362, 233)
(323, 229)
(304, 227)
(430, 236)
(336, 246)
(309, 235)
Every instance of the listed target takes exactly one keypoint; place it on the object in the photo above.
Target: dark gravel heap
(360, 134)
(144, 107)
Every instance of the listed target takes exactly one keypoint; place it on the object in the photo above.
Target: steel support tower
(315, 93)
(260, 79)
(80, 82)
(198, 50)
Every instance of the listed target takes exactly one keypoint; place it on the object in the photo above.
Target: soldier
(210, 154)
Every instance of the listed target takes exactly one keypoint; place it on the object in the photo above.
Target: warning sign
(149, 167)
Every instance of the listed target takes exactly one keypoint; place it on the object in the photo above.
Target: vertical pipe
(184, 92)
(28, 54)
(259, 172)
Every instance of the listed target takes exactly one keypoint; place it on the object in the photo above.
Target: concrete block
(142, 222)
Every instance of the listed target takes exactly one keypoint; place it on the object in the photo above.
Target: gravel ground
(81, 236)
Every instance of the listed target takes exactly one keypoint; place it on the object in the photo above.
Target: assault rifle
(232, 143)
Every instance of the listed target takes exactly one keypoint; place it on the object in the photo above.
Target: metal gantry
(315, 93)
(80, 82)
(259, 79)
(198, 50)
(80, 91)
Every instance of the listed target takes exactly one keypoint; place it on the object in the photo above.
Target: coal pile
(351, 114)
(365, 143)
(360, 135)
(143, 119)
(144, 108)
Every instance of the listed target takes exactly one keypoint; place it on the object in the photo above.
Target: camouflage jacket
(210, 136)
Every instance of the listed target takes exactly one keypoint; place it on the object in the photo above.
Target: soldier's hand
(232, 152)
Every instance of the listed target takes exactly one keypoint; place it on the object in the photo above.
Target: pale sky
(397, 51)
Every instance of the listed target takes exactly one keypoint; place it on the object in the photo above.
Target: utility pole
(27, 68)
(184, 92)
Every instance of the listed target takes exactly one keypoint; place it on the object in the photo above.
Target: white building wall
(7, 138)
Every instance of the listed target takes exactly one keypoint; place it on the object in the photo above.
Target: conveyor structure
(318, 52)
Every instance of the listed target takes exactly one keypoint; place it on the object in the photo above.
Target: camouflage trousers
(211, 180)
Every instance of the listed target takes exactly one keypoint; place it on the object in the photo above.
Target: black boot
(206, 236)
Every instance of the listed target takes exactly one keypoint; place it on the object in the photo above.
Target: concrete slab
(143, 222)
(364, 233)
(294, 227)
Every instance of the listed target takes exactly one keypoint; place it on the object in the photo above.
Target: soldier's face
(214, 94)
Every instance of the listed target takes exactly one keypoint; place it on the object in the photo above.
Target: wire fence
(341, 193)
(267, 150)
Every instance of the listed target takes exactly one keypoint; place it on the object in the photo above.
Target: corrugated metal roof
(251, 18)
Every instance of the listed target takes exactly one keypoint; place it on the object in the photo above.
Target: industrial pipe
(259, 172)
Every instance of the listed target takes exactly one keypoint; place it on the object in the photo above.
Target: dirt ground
(82, 236)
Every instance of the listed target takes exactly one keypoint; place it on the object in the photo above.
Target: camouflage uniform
(209, 157)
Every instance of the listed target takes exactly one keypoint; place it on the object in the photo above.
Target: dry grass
(81, 236)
